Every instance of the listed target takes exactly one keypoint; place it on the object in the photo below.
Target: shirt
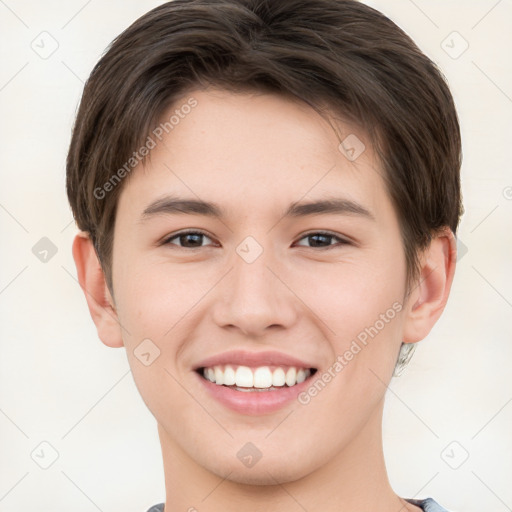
(428, 505)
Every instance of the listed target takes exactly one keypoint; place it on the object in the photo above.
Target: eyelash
(341, 241)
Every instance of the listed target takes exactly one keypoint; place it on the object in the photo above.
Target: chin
(269, 472)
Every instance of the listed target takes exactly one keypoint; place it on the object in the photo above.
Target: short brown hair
(339, 54)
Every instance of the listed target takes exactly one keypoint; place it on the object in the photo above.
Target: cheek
(156, 308)
(144, 290)
(159, 301)
(350, 296)
(360, 304)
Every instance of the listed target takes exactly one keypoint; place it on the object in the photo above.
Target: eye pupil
(319, 236)
(195, 236)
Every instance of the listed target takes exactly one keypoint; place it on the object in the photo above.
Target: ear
(428, 297)
(99, 300)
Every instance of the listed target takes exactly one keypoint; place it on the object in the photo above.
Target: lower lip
(254, 402)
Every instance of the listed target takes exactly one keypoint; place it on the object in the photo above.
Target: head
(259, 107)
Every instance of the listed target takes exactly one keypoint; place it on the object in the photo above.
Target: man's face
(260, 288)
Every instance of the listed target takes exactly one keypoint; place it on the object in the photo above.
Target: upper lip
(254, 359)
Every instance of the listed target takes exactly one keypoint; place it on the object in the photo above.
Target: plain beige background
(74, 433)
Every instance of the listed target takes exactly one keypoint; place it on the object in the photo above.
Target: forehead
(253, 149)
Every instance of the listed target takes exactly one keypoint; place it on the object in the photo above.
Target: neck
(354, 479)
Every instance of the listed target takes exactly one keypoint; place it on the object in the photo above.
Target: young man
(267, 193)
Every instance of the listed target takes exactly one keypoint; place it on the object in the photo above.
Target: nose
(254, 297)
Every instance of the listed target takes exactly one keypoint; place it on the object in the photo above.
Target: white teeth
(229, 376)
(244, 377)
(219, 375)
(291, 375)
(256, 378)
(278, 377)
(262, 377)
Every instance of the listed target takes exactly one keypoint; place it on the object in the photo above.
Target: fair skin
(195, 298)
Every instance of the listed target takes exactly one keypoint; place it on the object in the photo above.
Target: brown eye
(187, 239)
(323, 240)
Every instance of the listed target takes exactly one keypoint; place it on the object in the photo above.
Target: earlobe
(99, 300)
(428, 297)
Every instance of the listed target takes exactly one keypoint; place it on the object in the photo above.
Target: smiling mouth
(262, 378)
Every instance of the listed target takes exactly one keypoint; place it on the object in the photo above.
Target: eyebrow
(170, 205)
